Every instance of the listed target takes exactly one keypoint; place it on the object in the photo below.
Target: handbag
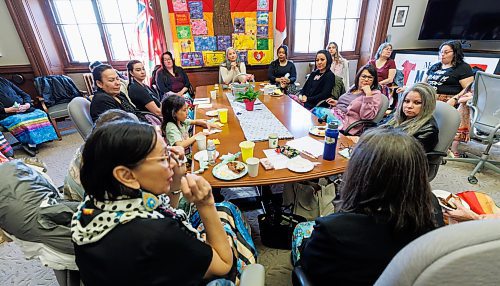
(310, 199)
(276, 228)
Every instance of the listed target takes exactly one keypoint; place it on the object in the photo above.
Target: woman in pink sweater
(361, 102)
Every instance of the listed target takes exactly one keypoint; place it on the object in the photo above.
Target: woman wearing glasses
(362, 101)
(451, 74)
(126, 232)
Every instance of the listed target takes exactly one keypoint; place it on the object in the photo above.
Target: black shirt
(447, 81)
(276, 70)
(141, 95)
(144, 252)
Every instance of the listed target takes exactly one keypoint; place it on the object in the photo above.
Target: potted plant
(249, 97)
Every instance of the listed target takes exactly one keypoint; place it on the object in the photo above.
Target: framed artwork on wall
(400, 15)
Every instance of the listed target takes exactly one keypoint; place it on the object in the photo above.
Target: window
(90, 30)
(315, 23)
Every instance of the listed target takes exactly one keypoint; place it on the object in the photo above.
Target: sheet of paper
(307, 144)
(213, 131)
(201, 100)
(205, 105)
(278, 160)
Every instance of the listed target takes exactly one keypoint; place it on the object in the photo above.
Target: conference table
(294, 117)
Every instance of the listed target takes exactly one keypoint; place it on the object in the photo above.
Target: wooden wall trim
(16, 69)
(36, 36)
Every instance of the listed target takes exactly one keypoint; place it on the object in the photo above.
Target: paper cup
(246, 150)
(201, 141)
(253, 166)
(213, 94)
(223, 115)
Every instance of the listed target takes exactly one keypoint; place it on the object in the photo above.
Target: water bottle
(331, 138)
(211, 152)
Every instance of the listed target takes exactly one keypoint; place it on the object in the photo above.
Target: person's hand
(211, 126)
(401, 89)
(178, 151)
(331, 101)
(465, 97)
(197, 190)
(461, 213)
(11, 109)
(179, 167)
(24, 107)
(233, 65)
(304, 98)
(250, 77)
(367, 90)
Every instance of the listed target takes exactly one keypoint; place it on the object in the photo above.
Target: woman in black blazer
(320, 82)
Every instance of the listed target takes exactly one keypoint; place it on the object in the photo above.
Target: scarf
(103, 216)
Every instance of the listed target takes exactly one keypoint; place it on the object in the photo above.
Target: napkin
(205, 105)
(213, 131)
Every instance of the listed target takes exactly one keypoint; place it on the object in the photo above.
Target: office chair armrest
(364, 122)
(299, 277)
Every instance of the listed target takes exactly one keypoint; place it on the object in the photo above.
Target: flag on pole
(148, 49)
(280, 31)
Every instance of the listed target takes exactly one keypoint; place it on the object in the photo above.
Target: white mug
(201, 140)
(253, 166)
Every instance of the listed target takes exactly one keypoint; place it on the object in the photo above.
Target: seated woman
(173, 80)
(233, 70)
(451, 74)
(126, 209)
(176, 123)
(379, 213)
(362, 101)
(340, 66)
(320, 82)
(281, 71)
(414, 115)
(142, 96)
(108, 95)
(30, 126)
(386, 67)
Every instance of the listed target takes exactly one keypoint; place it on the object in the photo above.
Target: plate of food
(277, 92)
(231, 170)
(203, 155)
(299, 165)
(447, 200)
(212, 112)
(318, 130)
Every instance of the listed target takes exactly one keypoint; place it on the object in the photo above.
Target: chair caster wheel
(472, 179)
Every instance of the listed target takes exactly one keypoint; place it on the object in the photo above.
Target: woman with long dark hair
(141, 95)
(380, 211)
(361, 101)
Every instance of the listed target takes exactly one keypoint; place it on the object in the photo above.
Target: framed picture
(400, 15)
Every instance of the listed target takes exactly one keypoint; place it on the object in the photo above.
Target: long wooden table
(296, 118)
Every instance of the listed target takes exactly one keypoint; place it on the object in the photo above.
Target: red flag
(280, 30)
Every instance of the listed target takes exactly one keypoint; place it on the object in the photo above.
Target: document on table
(307, 144)
(197, 101)
(278, 160)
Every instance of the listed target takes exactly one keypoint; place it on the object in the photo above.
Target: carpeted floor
(15, 270)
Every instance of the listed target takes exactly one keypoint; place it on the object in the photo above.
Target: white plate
(318, 130)
(276, 95)
(212, 113)
(203, 155)
(444, 194)
(299, 165)
(221, 171)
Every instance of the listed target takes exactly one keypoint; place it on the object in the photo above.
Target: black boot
(31, 151)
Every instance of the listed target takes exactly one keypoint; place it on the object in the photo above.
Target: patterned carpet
(15, 270)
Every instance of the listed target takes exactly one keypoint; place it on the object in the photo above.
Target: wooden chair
(89, 84)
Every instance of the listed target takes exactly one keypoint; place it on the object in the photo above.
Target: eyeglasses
(366, 77)
(446, 52)
(167, 156)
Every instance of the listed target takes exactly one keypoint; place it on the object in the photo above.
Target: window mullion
(328, 22)
(104, 38)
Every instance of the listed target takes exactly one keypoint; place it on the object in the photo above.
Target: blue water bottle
(331, 138)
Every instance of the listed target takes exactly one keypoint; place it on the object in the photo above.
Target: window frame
(59, 39)
(301, 57)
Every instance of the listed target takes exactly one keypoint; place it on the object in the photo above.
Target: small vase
(249, 104)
